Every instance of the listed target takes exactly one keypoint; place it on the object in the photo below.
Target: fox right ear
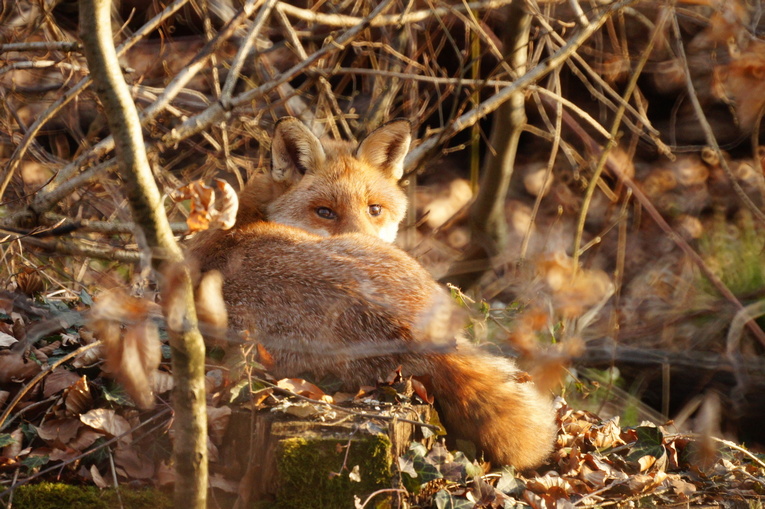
(386, 147)
(295, 150)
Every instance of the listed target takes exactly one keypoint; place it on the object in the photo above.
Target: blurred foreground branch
(190, 446)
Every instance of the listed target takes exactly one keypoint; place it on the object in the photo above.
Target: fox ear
(386, 147)
(295, 150)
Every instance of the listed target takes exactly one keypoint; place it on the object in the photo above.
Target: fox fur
(326, 294)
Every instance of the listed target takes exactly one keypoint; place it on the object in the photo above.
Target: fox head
(333, 187)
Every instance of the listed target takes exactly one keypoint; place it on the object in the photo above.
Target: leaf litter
(75, 417)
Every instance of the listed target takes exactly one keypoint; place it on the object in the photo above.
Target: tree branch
(190, 446)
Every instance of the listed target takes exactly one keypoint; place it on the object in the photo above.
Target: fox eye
(375, 210)
(326, 213)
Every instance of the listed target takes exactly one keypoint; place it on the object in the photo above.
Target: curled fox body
(306, 272)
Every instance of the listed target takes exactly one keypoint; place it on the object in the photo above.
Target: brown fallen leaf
(85, 438)
(201, 199)
(78, 398)
(58, 432)
(6, 340)
(217, 422)
(134, 356)
(132, 464)
(13, 449)
(14, 367)
(98, 479)
(88, 357)
(58, 380)
(303, 388)
(108, 421)
(224, 215)
(683, 488)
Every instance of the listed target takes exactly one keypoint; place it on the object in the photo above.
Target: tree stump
(320, 461)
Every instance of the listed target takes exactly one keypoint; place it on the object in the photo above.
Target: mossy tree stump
(303, 462)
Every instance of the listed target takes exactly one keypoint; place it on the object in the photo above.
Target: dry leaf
(70, 339)
(681, 487)
(217, 422)
(6, 340)
(66, 454)
(78, 398)
(108, 421)
(84, 439)
(88, 357)
(211, 309)
(48, 349)
(132, 358)
(30, 282)
(58, 380)
(202, 198)
(161, 382)
(264, 357)
(132, 464)
(58, 432)
(15, 368)
(301, 387)
(224, 216)
(13, 450)
(98, 480)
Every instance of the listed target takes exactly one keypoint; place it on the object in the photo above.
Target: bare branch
(187, 345)
(415, 157)
(68, 96)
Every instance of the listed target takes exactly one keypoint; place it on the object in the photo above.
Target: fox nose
(359, 224)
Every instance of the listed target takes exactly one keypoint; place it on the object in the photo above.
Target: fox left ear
(295, 150)
(386, 147)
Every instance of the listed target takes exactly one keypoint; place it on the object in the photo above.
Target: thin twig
(704, 123)
(69, 95)
(104, 226)
(414, 158)
(616, 125)
(41, 46)
(378, 492)
(39, 64)
(340, 20)
(244, 49)
(324, 85)
(639, 117)
(68, 248)
(216, 112)
(348, 410)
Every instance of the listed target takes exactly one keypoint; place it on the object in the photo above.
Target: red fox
(306, 272)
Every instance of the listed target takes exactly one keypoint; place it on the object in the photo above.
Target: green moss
(64, 496)
(307, 469)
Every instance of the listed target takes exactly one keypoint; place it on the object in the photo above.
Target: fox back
(306, 271)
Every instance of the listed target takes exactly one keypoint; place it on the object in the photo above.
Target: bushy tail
(489, 401)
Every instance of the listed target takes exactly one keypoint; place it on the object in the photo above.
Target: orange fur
(349, 305)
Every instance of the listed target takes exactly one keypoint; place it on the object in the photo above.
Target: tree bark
(190, 446)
